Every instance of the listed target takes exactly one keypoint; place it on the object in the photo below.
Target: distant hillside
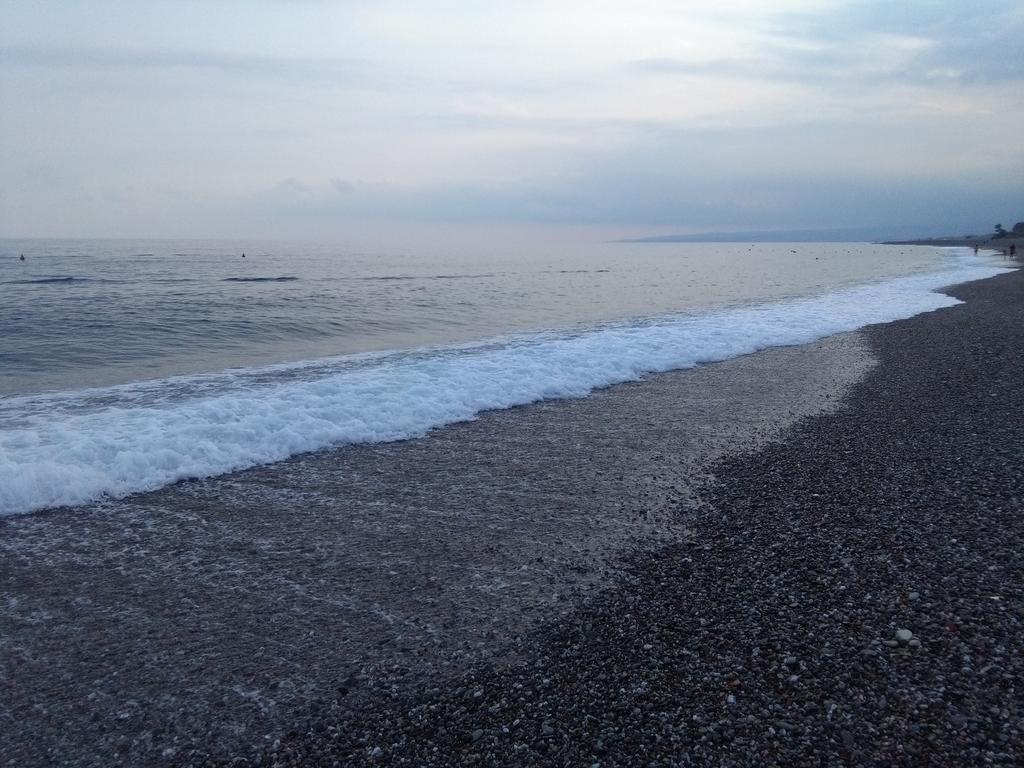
(849, 235)
(1000, 238)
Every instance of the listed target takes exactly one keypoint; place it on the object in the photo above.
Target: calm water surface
(85, 313)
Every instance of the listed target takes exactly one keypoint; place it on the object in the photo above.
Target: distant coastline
(847, 235)
(982, 241)
(988, 241)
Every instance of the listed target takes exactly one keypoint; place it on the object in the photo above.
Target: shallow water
(93, 313)
(129, 366)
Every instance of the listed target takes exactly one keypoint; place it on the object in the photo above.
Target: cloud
(676, 114)
(234, 64)
(968, 42)
(867, 44)
(686, 181)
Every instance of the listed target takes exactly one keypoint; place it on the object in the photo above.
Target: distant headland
(999, 238)
(846, 235)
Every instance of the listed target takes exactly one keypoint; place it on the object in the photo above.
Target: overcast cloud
(264, 118)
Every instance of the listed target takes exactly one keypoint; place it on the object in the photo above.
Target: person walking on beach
(1013, 250)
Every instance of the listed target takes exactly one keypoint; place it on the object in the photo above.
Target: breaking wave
(71, 448)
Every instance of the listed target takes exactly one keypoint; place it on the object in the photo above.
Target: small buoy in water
(243, 255)
(23, 257)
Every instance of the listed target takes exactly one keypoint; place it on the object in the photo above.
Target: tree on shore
(1016, 231)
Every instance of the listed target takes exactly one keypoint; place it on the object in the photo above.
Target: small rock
(904, 635)
(376, 752)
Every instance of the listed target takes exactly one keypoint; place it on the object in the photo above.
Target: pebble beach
(828, 571)
(853, 595)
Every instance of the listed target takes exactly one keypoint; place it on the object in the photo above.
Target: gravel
(214, 614)
(852, 595)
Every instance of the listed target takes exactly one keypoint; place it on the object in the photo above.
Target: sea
(128, 365)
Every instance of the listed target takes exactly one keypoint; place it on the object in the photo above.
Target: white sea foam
(57, 452)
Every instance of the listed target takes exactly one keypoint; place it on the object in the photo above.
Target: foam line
(63, 455)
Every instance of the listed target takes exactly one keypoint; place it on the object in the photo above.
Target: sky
(322, 118)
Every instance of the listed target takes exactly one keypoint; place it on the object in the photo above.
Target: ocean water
(128, 365)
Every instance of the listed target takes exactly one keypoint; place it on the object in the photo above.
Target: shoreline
(144, 626)
(984, 243)
(212, 614)
(774, 632)
(256, 417)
